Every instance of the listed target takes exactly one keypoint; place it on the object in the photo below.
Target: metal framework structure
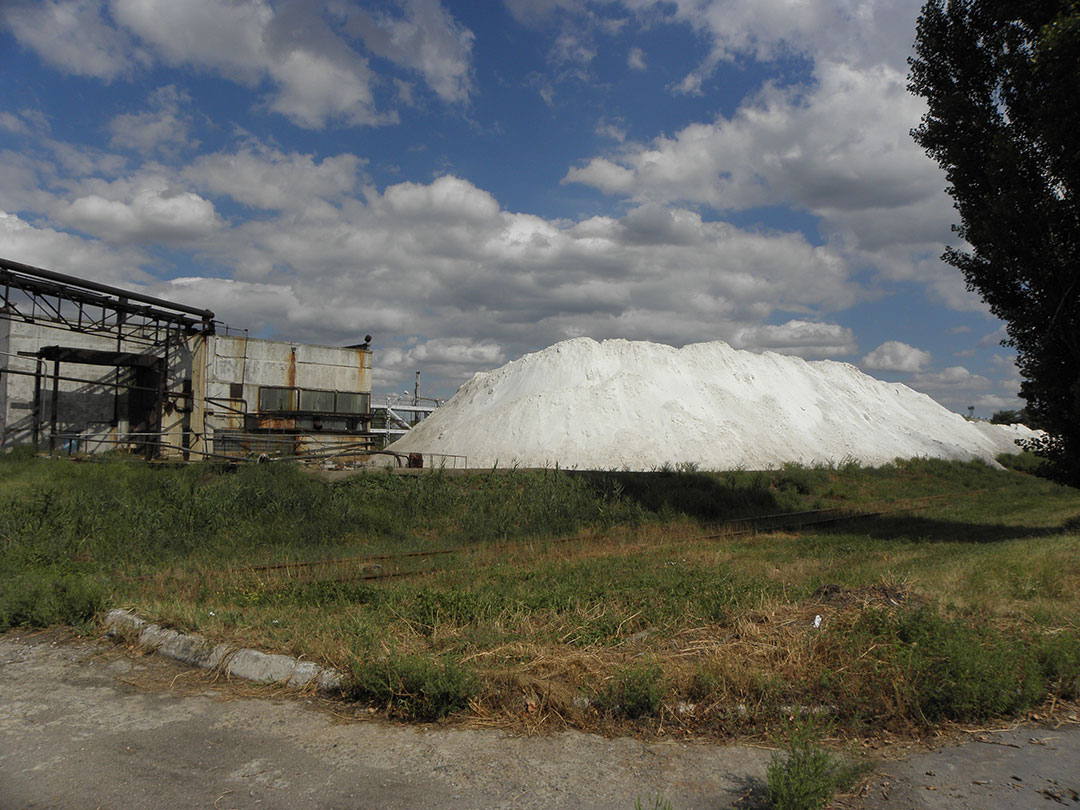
(32, 293)
(158, 395)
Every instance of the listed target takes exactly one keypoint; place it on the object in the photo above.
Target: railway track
(376, 567)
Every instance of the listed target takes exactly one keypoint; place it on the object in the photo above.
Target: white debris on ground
(636, 405)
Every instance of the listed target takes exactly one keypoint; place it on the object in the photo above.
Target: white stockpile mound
(635, 405)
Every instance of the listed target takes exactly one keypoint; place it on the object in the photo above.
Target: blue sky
(469, 181)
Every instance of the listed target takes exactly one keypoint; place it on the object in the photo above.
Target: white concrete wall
(86, 408)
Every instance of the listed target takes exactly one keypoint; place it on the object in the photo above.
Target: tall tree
(1002, 83)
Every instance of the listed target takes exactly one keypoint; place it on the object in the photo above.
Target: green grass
(562, 584)
(414, 687)
(40, 598)
(634, 691)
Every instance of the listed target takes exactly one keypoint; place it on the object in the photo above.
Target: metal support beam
(33, 293)
(36, 426)
(54, 407)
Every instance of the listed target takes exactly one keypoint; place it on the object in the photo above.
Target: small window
(236, 390)
(351, 403)
(316, 401)
(277, 399)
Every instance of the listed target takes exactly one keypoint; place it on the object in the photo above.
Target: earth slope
(636, 405)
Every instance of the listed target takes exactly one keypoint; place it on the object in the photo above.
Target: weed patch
(806, 775)
(930, 668)
(633, 692)
(415, 688)
(43, 598)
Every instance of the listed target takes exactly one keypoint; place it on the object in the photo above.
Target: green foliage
(634, 691)
(1006, 417)
(806, 776)
(415, 687)
(947, 669)
(1002, 84)
(1026, 462)
(1058, 657)
(45, 598)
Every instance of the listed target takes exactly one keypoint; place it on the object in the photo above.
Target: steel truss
(32, 294)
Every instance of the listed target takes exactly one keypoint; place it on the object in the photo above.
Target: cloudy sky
(471, 180)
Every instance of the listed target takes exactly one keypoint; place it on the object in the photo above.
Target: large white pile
(638, 405)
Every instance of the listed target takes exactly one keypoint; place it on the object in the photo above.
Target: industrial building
(85, 367)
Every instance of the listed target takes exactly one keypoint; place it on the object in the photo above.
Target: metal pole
(54, 406)
(416, 399)
(36, 426)
(26, 269)
(162, 382)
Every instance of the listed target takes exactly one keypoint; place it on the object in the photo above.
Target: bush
(415, 687)
(1025, 462)
(42, 599)
(1059, 660)
(634, 692)
(947, 669)
(806, 775)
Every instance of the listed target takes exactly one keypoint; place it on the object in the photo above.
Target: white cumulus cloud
(268, 178)
(894, 355)
(164, 127)
(804, 338)
(426, 39)
(143, 209)
(72, 35)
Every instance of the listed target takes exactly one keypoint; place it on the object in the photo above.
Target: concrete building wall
(95, 406)
(212, 390)
(232, 370)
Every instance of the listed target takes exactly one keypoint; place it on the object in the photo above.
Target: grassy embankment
(582, 599)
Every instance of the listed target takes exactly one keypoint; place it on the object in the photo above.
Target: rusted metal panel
(275, 423)
(265, 424)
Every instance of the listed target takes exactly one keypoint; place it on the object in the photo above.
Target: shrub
(928, 668)
(42, 598)
(415, 687)
(636, 691)
(1059, 660)
(1025, 462)
(806, 775)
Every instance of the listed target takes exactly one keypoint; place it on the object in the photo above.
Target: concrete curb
(196, 651)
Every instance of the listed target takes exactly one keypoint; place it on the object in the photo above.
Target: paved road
(1026, 768)
(75, 734)
(85, 725)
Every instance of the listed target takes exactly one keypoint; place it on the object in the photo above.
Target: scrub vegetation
(669, 603)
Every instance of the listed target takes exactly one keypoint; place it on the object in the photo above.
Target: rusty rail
(732, 528)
